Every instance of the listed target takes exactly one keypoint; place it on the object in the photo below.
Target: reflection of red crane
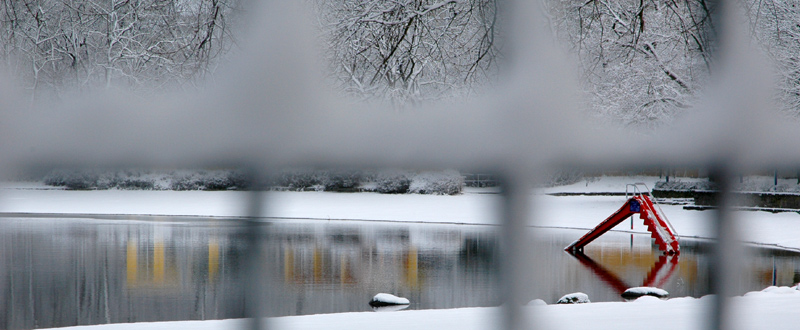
(656, 277)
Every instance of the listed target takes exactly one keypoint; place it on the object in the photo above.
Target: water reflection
(619, 261)
(62, 272)
(657, 276)
(339, 267)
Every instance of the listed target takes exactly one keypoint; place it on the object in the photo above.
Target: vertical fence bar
(514, 214)
(254, 276)
(723, 266)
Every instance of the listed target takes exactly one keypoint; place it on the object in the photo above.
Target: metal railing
(635, 191)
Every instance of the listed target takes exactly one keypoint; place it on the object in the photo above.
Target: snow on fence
(268, 110)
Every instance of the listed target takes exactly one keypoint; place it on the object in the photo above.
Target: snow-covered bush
(73, 179)
(146, 180)
(209, 180)
(56, 178)
(393, 182)
(448, 182)
(341, 180)
(314, 179)
(563, 177)
(136, 184)
(685, 186)
(386, 181)
(396, 181)
(299, 179)
(748, 184)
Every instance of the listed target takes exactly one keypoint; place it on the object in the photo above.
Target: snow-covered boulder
(574, 298)
(536, 302)
(637, 292)
(385, 299)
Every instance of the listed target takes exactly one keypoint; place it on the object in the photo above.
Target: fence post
(255, 279)
(514, 214)
(723, 266)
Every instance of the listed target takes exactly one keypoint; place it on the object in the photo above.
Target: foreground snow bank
(773, 307)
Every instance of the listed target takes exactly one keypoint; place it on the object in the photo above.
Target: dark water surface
(63, 272)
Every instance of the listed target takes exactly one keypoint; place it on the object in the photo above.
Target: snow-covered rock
(637, 292)
(574, 298)
(385, 299)
(536, 302)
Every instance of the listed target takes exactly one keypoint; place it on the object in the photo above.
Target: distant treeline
(448, 182)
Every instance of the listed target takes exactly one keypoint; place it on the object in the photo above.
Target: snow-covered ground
(776, 308)
(473, 207)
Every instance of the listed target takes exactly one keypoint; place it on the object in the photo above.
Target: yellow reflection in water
(317, 262)
(213, 259)
(412, 268)
(288, 266)
(158, 263)
(132, 261)
(159, 271)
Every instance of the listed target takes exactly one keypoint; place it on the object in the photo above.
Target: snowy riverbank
(475, 207)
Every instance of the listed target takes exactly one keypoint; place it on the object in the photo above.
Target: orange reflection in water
(658, 274)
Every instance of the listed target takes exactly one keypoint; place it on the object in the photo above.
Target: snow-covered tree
(642, 61)
(776, 26)
(62, 46)
(408, 50)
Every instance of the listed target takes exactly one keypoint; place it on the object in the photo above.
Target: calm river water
(58, 272)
